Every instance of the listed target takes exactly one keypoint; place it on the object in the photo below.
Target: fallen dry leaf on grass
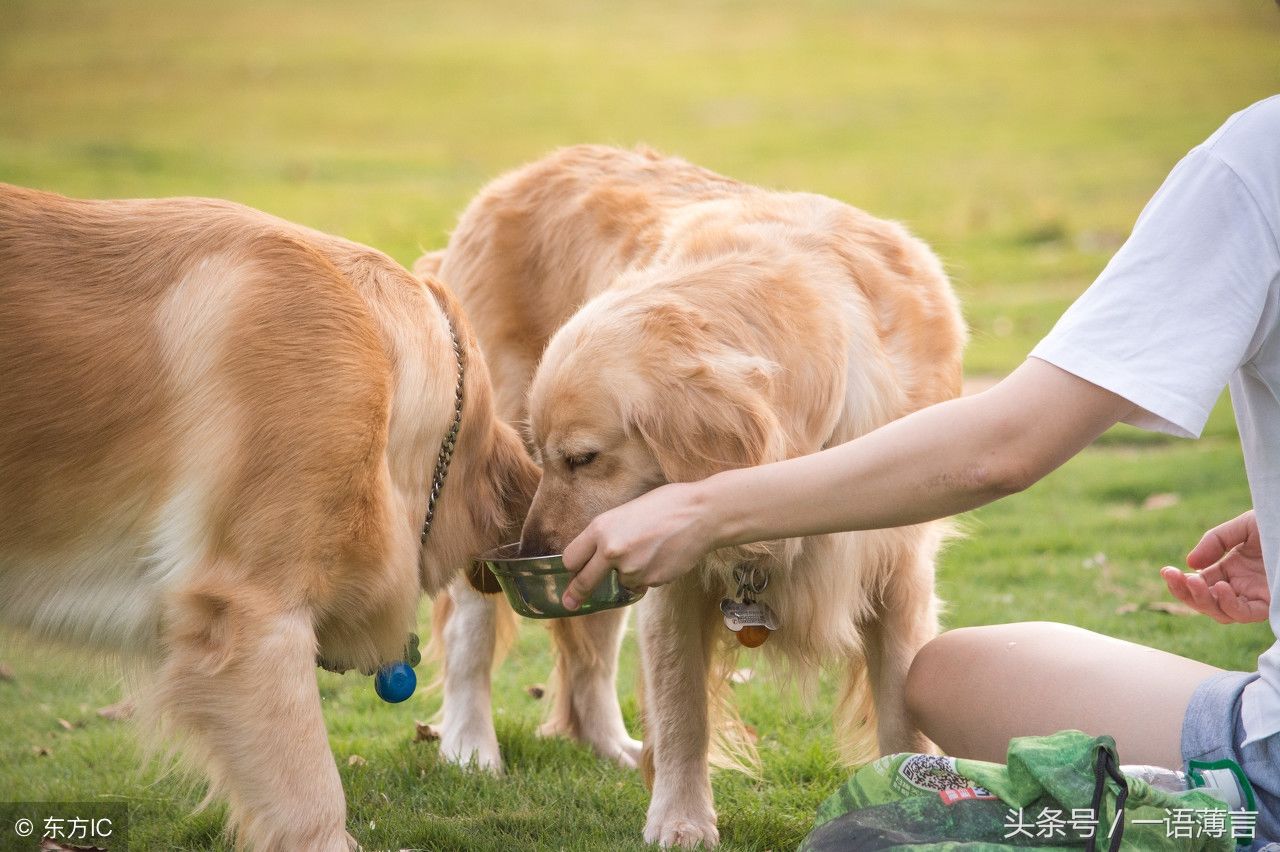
(1171, 608)
(356, 760)
(1121, 511)
(6, 672)
(536, 690)
(1160, 501)
(1166, 607)
(41, 751)
(65, 725)
(118, 712)
(425, 732)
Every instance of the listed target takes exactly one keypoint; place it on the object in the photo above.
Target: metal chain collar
(446, 448)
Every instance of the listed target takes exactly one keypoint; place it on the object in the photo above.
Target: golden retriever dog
(655, 323)
(216, 453)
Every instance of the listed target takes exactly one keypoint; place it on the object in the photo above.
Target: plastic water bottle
(1222, 782)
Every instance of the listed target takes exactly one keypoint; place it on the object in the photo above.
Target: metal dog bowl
(534, 585)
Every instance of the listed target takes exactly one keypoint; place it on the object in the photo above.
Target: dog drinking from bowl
(655, 322)
(217, 449)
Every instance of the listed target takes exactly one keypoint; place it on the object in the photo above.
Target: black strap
(1105, 767)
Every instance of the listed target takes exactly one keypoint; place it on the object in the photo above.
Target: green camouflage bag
(1064, 790)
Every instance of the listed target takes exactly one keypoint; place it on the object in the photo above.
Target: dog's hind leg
(906, 619)
(469, 638)
(585, 685)
(238, 682)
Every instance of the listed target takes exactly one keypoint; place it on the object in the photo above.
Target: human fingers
(1241, 609)
(1217, 572)
(1219, 540)
(585, 580)
(1192, 591)
(1203, 599)
(580, 550)
(633, 582)
(1177, 582)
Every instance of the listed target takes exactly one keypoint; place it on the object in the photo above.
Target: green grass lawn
(1020, 138)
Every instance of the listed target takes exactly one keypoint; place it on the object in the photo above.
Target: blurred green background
(1019, 137)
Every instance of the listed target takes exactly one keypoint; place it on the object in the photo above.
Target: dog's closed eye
(580, 460)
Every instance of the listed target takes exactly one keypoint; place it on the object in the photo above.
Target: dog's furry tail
(855, 720)
(733, 746)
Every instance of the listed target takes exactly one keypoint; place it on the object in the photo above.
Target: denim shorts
(1212, 731)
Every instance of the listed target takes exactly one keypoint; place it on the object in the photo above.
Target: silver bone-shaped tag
(738, 615)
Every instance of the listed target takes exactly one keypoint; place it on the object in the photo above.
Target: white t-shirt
(1190, 303)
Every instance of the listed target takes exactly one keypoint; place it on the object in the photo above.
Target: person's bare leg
(972, 690)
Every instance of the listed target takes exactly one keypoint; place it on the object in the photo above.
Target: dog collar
(446, 447)
(750, 619)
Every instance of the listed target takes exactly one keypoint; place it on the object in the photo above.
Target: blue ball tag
(395, 682)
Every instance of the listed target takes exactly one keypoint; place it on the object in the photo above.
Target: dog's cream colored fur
(216, 448)
(667, 323)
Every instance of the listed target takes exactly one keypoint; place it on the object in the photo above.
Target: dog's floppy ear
(706, 407)
(514, 479)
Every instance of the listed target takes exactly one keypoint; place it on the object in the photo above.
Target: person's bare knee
(932, 678)
(958, 677)
(947, 662)
(972, 690)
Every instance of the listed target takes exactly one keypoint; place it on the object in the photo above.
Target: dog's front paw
(618, 747)
(623, 751)
(682, 832)
(471, 749)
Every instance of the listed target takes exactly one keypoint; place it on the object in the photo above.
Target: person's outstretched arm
(941, 460)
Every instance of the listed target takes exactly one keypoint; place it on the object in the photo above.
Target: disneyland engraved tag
(738, 615)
